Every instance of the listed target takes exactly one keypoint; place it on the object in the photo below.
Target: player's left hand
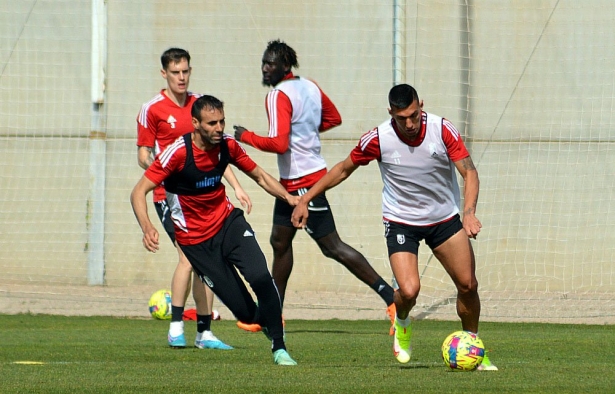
(300, 215)
(239, 130)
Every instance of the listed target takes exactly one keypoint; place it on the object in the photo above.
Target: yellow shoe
(392, 312)
(486, 365)
(401, 343)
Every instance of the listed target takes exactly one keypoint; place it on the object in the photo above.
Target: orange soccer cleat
(391, 312)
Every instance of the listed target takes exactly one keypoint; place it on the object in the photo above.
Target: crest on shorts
(207, 281)
(401, 239)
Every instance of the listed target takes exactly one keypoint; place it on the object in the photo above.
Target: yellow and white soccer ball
(463, 351)
(160, 305)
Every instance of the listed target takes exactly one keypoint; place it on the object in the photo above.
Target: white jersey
(420, 182)
(303, 154)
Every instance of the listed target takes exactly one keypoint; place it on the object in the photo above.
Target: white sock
(208, 336)
(403, 323)
(176, 328)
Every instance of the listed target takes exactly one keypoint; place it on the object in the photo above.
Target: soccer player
(298, 111)
(212, 233)
(417, 153)
(162, 120)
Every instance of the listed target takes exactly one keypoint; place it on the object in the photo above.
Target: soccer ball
(160, 305)
(462, 351)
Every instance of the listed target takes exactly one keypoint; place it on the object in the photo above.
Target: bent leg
(405, 269)
(245, 254)
(457, 257)
(223, 280)
(334, 248)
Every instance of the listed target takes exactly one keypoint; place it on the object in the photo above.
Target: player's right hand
(239, 130)
(150, 239)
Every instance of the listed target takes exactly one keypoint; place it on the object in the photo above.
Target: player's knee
(261, 282)
(278, 245)
(468, 287)
(409, 294)
(329, 252)
(340, 252)
(184, 264)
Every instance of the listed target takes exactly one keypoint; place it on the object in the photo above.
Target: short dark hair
(205, 101)
(174, 55)
(283, 52)
(402, 95)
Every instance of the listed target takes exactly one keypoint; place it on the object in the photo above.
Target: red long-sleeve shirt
(279, 112)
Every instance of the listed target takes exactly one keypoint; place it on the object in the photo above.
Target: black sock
(384, 290)
(177, 313)
(203, 323)
(278, 344)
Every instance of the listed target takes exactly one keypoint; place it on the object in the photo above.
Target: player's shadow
(417, 366)
(325, 332)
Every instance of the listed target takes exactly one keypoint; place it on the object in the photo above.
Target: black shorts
(320, 220)
(164, 213)
(406, 238)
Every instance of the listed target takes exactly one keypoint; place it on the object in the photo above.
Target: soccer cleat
(401, 343)
(486, 365)
(178, 341)
(391, 312)
(281, 357)
(252, 327)
(207, 340)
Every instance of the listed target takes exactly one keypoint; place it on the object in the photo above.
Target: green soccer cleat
(281, 357)
(401, 343)
(486, 365)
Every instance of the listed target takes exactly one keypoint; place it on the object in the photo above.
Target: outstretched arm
(468, 171)
(139, 207)
(240, 194)
(271, 185)
(339, 173)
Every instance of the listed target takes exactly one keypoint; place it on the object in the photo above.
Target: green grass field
(56, 354)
